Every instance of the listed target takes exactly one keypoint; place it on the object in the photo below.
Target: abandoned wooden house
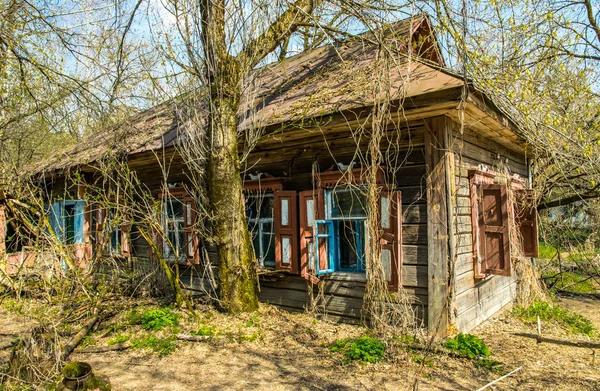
(453, 166)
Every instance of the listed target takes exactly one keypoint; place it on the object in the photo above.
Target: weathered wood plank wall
(476, 300)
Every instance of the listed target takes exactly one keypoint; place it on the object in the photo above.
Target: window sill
(347, 276)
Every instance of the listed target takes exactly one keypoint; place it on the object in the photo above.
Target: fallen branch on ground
(103, 349)
(79, 337)
(192, 338)
(565, 342)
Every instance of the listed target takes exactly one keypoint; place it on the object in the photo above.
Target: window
(490, 224)
(180, 243)
(67, 220)
(259, 215)
(112, 231)
(333, 234)
(272, 222)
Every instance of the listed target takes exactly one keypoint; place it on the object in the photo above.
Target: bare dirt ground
(291, 352)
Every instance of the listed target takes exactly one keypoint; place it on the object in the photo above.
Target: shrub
(158, 318)
(364, 349)
(573, 321)
(469, 345)
(162, 346)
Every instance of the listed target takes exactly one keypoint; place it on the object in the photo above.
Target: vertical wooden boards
(436, 145)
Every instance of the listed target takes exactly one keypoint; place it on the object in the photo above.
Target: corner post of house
(437, 133)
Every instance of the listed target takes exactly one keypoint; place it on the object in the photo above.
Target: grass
(573, 282)
(364, 349)
(118, 339)
(161, 346)
(572, 321)
(468, 345)
(546, 251)
(153, 319)
(205, 330)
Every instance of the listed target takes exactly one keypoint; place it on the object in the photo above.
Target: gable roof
(318, 82)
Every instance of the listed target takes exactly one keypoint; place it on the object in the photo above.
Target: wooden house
(453, 167)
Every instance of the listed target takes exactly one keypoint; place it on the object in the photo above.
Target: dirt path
(293, 354)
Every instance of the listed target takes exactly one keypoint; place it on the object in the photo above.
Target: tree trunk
(237, 264)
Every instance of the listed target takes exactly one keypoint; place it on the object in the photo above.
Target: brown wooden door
(493, 229)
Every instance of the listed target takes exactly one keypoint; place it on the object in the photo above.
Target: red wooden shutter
(286, 231)
(312, 208)
(100, 234)
(493, 229)
(191, 240)
(526, 219)
(390, 221)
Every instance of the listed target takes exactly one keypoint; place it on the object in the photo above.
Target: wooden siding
(476, 300)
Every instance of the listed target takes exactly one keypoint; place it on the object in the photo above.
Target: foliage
(469, 345)
(364, 349)
(489, 364)
(546, 251)
(118, 339)
(570, 320)
(571, 281)
(428, 362)
(205, 330)
(156, 319)
(161, 346)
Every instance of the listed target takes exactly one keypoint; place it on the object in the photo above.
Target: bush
(158, 318)
(469, 345)
(574, 322)
(364, 349)
(162, 346)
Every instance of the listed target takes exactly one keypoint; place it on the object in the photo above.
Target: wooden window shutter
(494, 243)
(390, 222)
(312, 208)
(191, 239)
(526, 221)
(125, 235)
(286, 230)
(100, 234)
(79, 221)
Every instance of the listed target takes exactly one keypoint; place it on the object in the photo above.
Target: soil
(276, 350)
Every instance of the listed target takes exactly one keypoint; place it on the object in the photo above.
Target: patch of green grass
(491, 365)
(161, 346)
(205, 330)
(134, 316)
(253, 322)
(428, 362)
(249, 337)
(468, 345)
(156, 319)
(574, 282)
(406, 339)
(573, 321)
(546, 251)
(364, 349)
(88, 340)
(118, 339)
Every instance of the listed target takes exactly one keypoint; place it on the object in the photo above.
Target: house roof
(352, 74)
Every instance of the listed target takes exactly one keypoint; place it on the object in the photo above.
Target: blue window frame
(342, 232)
(67, 219)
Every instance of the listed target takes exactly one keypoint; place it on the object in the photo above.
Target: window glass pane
(386, 261)
(345, 203)
(284, 211)
(251, 209)
(310, 212)
(188, 213)
(175, 208)
(69, 224)
(385, 212)
(286, 250)
(268, 247)
(265, 207)
(351, 244)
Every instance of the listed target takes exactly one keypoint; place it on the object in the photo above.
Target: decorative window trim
(335, 177)
(263, 184)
